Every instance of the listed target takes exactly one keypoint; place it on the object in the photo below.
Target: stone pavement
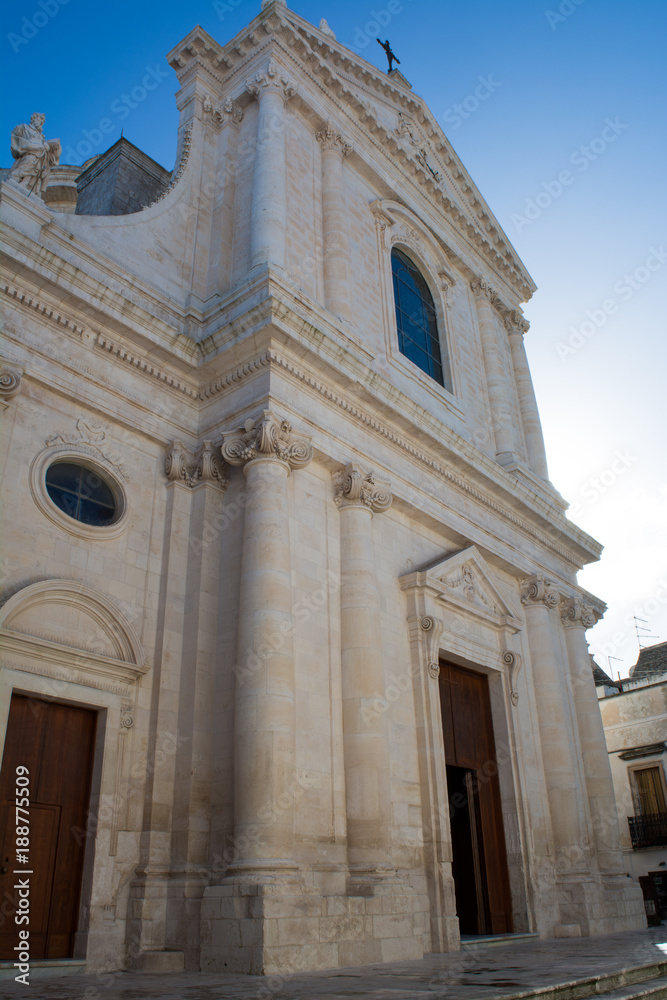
(468, 975)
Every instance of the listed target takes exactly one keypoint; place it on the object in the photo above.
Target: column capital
(356, 488)
(575, 613)
(537, 590)
(481, 289)
(191, 469)
(267, 437)
(272, 78)
(516, 322)
(331, 139)
(223, 113)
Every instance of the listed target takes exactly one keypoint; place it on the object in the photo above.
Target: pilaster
(336, 252)
(496, 373)
(516, 326)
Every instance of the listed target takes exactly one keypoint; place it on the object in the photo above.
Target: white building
(293, 644)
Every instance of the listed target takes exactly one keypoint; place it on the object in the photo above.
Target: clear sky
(557, 109)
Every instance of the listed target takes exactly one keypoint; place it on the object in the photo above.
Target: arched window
(415, 317)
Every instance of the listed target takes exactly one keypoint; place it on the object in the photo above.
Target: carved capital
(481, 289)
(11, 379)
(267, 437)
(181, 465)
(513, 661)
(330, 139)
(575, 613)
(223, 113)
(537, 590)
(515, 322)
(356, 488)
(274, 79)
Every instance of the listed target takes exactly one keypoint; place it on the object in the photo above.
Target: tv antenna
(609, 667)
(641, 628)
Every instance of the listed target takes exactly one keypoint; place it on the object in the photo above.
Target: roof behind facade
(651, 662)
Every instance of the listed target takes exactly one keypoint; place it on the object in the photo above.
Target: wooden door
(56, 744)
(481, 874)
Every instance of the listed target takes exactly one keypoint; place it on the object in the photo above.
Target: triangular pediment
(466, 580)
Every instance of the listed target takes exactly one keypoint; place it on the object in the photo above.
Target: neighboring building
(293, 646)
(634, 715)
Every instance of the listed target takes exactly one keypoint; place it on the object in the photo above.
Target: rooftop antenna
(640, 628)
(609, 667)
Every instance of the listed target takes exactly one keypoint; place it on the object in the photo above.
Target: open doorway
(479, 856)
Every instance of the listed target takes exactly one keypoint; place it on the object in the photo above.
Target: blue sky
(567, 145)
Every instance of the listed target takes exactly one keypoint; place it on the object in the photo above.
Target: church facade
(293, 649)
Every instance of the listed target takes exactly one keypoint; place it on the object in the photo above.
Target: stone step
(45, 968)
(474, 943)
(624, 984)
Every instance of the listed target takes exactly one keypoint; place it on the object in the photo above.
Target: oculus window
(416, 318)
(82, 494)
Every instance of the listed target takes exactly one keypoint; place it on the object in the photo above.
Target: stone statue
(390, 55)
(34, 155)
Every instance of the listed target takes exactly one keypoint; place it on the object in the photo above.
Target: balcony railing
(648, 831)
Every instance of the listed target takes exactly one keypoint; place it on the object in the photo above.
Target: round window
(82, 494)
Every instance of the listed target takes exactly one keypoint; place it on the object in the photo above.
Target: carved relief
(181, 465)
(272, 78)
(576, 613)
(515, 322)
(267, 437)
(538, 590)
(331, 139)
(465, 582)
(420, 148)
(90, 439)
(354, 487)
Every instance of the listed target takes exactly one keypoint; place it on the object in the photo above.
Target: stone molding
(11, 380)
(104, 614)
(331, 139)
(356, 488)
(575, 613)
(536, 590)
(180, 170)
(273, 79)
(267, 437)
(192, 469)
(30, 302)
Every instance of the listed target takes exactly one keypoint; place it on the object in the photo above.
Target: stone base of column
(280, 929)
(595, 904)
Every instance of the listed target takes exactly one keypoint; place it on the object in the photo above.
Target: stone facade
(308, 525)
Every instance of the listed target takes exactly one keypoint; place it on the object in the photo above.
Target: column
(576, 617)
(495, 370)
(268, 218)
(516, 326)
(539, 598)
(365, 741)
(334, 222)
(264, 716)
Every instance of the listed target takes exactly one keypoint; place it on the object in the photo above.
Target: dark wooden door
(55, 743)
(478, 838)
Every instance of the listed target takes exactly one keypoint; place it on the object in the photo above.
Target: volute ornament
(513, 661)
(432, 629)
(538, 590)
(10, 383)
(576, 613)
(358, 488)
(267, 437)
